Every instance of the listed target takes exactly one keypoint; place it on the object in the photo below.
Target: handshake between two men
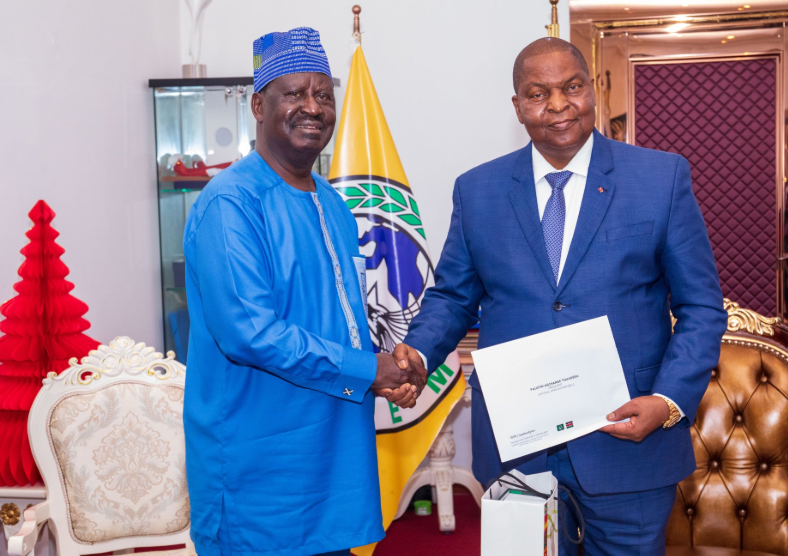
(401, 376)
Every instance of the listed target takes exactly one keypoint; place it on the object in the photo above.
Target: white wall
(442, 70)
(76, 129)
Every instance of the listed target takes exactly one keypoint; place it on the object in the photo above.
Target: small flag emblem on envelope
(570, 424)
(560, 427)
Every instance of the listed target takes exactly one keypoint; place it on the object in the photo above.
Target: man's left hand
(645, 413)
(405, 396)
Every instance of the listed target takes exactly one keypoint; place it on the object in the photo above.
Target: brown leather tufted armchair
(738, 496)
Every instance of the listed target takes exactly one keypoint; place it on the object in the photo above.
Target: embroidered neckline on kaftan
(355, 339)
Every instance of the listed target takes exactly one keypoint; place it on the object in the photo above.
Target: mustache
(309, 120)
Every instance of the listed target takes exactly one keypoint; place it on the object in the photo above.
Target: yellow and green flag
(367, 172)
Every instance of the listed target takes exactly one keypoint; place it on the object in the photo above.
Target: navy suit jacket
(640, 250)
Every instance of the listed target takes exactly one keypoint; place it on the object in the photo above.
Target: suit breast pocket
(639, 229)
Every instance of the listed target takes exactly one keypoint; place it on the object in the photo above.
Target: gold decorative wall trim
(740, 319)
(722, 18)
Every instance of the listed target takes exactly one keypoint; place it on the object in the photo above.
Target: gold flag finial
(552, 29)
(357, 23)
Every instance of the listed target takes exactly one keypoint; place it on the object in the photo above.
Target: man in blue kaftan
(278, 414)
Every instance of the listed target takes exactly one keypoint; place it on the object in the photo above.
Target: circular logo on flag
(398, 273)
(392, 239)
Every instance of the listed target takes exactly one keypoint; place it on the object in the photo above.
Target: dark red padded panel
(721, 116)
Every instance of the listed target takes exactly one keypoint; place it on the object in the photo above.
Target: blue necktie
(553, 219)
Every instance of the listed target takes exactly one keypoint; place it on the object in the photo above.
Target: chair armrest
(24, 541)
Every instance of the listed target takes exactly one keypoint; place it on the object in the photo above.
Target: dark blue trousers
(624, 524)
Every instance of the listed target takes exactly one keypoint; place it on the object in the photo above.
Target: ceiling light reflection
(676, 27)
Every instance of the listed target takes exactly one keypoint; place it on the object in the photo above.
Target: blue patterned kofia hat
(296, 51)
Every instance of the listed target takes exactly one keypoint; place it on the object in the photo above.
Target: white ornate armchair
(107, 436)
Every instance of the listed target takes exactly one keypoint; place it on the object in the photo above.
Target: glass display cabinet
(202, 126)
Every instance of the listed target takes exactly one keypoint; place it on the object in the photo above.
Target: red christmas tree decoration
(42, 330)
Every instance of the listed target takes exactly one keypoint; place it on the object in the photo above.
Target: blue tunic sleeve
(240, 310)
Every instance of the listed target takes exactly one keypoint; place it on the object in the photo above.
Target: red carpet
(420, 536)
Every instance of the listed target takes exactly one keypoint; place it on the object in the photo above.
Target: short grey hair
(545, 45)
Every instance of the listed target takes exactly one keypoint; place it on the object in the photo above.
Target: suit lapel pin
(601, 190)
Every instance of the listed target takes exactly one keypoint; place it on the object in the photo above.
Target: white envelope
(549, 388)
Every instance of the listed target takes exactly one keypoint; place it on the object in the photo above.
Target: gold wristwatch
(675, 414)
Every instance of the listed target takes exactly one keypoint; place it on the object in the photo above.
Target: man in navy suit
(572, 227)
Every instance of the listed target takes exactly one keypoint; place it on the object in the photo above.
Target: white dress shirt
(573, 197)
(573, 190)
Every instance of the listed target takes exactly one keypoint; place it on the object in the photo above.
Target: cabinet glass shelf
(199, 123)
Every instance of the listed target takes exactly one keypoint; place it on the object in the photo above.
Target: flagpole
(357, 23)
(552, 29)
(368, 173)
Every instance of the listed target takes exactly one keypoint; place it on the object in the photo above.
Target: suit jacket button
(557, 306)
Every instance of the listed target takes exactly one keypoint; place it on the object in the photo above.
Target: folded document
(549, 388)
